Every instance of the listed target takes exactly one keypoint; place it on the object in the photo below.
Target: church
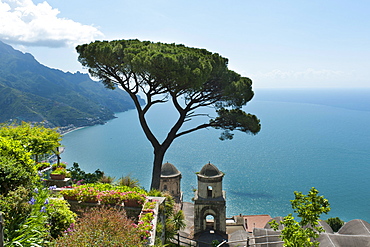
(206, 218)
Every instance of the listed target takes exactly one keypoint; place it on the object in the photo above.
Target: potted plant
(87, 194)
(56, 165)
(69, 194)
(112, 197)
(42, 166)
(133, 199)
(59, 173)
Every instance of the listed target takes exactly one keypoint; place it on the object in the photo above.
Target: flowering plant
(87, 194)
(110, 197)
(145, 224)
(69, 194)
(133, 195)
(106, 194)
(56, 165)
(149, 205)
(42, 166)
(60, 170)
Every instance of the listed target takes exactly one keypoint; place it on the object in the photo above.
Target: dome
(169, 170)
(210, 170)
(355, 227)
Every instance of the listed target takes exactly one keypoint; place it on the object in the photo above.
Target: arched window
(209, 191)
(210, 222)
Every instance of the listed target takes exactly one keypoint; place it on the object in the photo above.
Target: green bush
(16, 167)
(335, 223)
(15, 209)
(102, 226)
(81, 177)
(33, 229)
(60, 217)
(128, 181)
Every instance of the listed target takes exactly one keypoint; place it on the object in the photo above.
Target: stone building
(171, 181)
(210, 200)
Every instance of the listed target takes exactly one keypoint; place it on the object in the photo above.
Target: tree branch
(202, 126)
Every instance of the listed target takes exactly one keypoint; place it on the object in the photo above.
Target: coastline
(69, 130)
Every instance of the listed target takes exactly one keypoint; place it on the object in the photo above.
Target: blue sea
(309, 138)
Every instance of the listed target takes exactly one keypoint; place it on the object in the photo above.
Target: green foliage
(128, 181)
(60, 217)
(33, 230)
(78, 175)
(107, 179)
(189, 78)
(61, 171)
(335, 223)
(102, 227)
(215, 243)
(106, 193)
(22, 199)
(229, 120)
(175, 220)
(103, 187)
(200, 76)
(13, 149)
(15, 174)
(15, 208)
(56, 165)
(309, 208)
(35, 139)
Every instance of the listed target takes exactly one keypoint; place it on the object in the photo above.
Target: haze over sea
(309, 138)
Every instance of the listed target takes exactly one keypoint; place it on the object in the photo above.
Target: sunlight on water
(300, 145)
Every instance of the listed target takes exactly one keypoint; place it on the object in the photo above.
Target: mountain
(32, 92)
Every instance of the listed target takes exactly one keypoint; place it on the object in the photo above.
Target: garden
(95, 210)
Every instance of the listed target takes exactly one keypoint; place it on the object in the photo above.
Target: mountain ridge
(32, 92)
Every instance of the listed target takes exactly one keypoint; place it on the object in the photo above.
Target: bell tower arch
(209, 200)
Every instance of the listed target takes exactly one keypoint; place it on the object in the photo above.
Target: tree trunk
(157, 167)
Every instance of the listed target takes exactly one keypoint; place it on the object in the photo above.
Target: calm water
(308, 139)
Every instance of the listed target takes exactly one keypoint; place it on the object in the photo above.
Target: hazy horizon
(285, 44)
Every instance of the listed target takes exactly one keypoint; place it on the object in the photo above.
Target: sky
(278, 44)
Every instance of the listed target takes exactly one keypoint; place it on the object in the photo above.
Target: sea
(309, 138)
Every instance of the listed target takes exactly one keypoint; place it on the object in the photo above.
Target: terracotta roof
(256, 221)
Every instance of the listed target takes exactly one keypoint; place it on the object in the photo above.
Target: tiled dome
(169, 169)
(210, 170)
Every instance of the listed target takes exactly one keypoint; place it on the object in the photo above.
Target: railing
(184, 241)
(249, 244)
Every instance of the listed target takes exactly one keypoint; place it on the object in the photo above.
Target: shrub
(102, 227)
(33, 229)
(89, 192)
(15, 208)
(60, 216)
(110, 197)
(61, 171)
(77, 174)
(16, 168)
(106, 179)
(56, 165)
(335, 223)
(128, 181)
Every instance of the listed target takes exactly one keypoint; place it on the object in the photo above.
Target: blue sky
(278, 44)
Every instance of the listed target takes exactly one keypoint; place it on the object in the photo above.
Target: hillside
(30, 91)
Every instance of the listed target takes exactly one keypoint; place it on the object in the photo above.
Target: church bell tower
(210, 201)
